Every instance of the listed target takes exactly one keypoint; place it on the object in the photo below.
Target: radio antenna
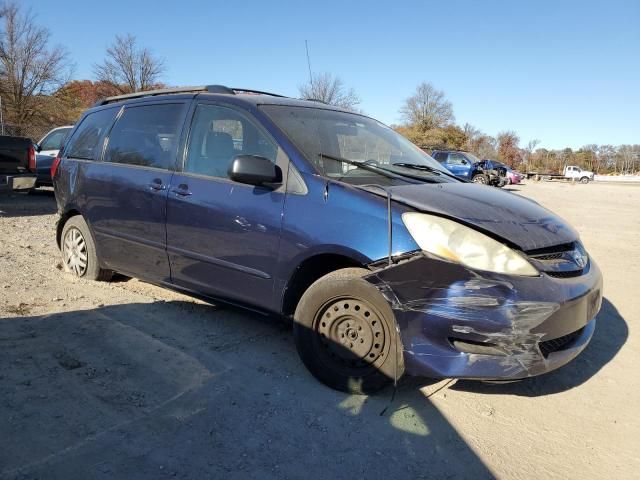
(306, 44)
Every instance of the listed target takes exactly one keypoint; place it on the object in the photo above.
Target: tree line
(37, 90)
(429, 122)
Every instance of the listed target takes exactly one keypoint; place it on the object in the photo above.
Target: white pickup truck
(570, 172)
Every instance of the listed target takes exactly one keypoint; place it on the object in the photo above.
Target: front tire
(584, 180)
(79, 251)
(346, 334)
(480, 178)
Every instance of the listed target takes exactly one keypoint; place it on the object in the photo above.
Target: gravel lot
(127, 380)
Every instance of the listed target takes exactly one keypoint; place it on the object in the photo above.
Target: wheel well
(63, 219)
(308, 272)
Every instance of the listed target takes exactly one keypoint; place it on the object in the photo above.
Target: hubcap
(351, 333)
(75, 252)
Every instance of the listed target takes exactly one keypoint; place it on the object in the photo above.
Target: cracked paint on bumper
(438, 303)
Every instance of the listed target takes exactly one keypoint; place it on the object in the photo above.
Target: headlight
(455, 242)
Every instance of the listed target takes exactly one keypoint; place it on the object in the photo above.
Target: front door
(128, 189)
(223, 236)
(458, 165)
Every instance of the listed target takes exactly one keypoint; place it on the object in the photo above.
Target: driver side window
(457, 159)
(218, 134)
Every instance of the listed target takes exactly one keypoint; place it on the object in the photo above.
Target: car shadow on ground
(41, 201)
(184, 390)
(610, 335)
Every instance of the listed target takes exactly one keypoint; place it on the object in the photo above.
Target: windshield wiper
(425, 168)
(359, 164)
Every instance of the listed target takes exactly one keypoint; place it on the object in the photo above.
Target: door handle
(156, 185)
(182, 190)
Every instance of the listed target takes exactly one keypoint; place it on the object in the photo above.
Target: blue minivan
(385, 261)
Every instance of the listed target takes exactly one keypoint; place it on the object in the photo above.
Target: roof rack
(309, 99)
(257, 92)
(204, 88)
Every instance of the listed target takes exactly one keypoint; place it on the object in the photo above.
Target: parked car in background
(17, 164)
(385, 261)
(513, 177)
(53, 141)
(467, 166)
(43, 170)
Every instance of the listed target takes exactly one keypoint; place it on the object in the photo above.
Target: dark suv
(385, 261)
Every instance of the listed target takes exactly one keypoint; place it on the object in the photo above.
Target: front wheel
(79, 251)
(346, 334)
(584, 180)
(480, 178)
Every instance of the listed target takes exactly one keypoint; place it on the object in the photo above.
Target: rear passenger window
(146, 135)
(218, 134)
(86, 142)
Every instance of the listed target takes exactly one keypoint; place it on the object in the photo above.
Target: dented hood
(516, 219)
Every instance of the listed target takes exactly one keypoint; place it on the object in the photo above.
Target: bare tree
(531, 146)
(29, 69)
(129, 68)
(427, 108)
(329, 89)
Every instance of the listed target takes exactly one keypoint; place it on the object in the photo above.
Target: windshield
(472, 157)
(335, 142)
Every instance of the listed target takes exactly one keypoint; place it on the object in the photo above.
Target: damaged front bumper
(460, 323)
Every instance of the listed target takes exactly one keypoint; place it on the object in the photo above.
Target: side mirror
(464, 162)
(254, 170)
(37, 147)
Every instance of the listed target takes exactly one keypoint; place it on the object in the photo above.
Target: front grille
(565, 247)
(549, 346)
(549, 256)
(569, 274)
(561, 261)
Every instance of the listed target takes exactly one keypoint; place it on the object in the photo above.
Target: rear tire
(79, 251)
(346, 334)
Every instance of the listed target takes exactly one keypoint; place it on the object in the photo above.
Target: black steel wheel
(346, 333)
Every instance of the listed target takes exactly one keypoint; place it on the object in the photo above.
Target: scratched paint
(436, 300)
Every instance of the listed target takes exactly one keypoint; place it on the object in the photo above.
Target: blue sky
(564, 72)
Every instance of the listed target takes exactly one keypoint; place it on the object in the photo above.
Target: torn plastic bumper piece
(459, 323)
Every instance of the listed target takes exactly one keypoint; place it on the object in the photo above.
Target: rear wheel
(480, 178)
(79, 251)
(346, 333)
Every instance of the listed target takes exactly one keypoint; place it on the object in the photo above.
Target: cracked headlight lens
(458, 243)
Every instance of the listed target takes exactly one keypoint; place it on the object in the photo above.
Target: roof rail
(205, 88)
(257, 92)
(309, 99)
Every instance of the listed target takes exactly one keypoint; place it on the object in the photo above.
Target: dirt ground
(127, 380)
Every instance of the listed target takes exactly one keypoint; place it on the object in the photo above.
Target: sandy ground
(127, 380)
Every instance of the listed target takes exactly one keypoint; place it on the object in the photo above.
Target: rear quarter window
(86, 142)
